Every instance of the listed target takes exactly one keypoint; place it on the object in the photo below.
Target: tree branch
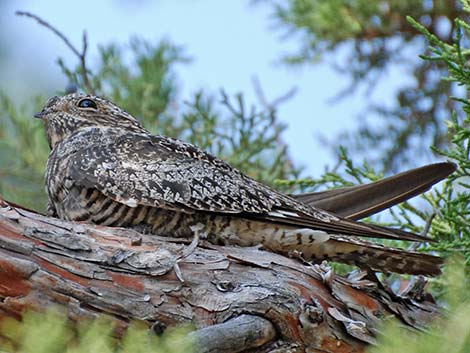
(239, 299)
(235, 335)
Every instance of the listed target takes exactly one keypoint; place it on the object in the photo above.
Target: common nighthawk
(106, 168)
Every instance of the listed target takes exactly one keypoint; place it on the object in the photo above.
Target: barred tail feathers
(318, 246)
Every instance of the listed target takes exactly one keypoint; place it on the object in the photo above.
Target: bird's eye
(86, 103)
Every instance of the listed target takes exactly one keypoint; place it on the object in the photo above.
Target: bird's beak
(40, 114)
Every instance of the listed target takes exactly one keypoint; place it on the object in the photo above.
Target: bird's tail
(387, 259)
(319, 246)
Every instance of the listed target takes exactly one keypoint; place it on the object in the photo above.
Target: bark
(239, 299)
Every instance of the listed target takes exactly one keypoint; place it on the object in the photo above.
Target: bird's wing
(137, 169)
(356, 202)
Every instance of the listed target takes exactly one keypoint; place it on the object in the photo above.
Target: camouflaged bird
(106, 168)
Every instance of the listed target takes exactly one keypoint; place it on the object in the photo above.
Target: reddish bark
(267, 300)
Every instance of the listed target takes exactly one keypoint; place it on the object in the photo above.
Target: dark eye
(86, 103)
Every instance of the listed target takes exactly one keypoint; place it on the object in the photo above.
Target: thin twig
(427, 226)
(189, 250)
(50, 27)
(259, 91)
(285, 97)
(275, 102)
(86, 81)
(425, 231)
(80, 55)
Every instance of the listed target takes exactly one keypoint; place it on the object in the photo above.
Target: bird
(105, 168)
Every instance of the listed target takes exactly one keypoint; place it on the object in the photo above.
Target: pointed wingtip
(361, 201)
(446, 167)
(452, 167)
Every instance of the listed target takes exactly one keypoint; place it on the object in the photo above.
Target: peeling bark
(239, 299)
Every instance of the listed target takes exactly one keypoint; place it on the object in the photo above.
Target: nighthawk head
(66, 115)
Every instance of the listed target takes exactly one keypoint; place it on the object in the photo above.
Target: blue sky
(229, 41)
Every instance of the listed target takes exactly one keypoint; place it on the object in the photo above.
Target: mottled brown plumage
(106, 168)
